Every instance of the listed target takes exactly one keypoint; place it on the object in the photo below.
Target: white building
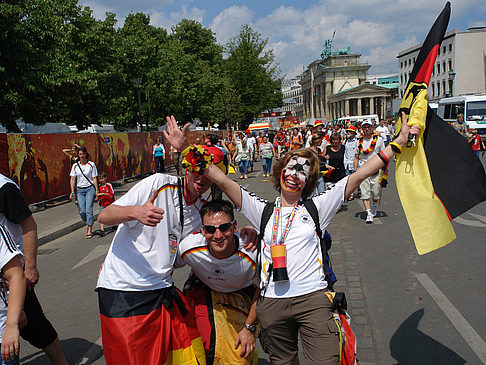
(460, 67)
(292, 96)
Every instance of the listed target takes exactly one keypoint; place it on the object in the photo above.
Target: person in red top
(476, 142)
(106, 196)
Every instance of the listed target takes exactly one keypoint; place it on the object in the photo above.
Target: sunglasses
(222, 227)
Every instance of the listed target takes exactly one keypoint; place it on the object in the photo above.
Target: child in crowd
(106, 196)
(12, 284)
(476, 142)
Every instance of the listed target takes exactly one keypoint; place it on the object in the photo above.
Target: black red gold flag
(440, 177)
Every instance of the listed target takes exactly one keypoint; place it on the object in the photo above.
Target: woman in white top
(290, 244)
(243, 155)
(84, 178)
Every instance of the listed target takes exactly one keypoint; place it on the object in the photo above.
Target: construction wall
(40, 168)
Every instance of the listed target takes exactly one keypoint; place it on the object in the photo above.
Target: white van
(472, 106)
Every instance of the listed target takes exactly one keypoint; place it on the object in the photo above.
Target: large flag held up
(440, 177)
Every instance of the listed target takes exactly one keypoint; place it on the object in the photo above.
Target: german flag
(149, 327)
(440, 177)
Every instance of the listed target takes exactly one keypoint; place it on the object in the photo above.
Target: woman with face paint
(293, 287)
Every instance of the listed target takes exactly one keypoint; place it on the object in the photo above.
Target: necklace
(370, 148)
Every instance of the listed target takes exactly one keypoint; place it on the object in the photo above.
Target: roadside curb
(48, 237)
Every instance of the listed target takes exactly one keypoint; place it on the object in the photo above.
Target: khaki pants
(282, 319)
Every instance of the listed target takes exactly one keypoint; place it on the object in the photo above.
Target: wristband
(250, 327)
(383, 158)
(395, 147)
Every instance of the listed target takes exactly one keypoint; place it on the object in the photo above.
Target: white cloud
(227, 24)
(99, 10)
(160, 19)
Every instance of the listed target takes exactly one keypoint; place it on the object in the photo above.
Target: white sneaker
(374, 206)
(369, 218)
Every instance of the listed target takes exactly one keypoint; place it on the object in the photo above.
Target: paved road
(406, 308)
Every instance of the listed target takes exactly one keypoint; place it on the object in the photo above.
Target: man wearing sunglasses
(220, 288)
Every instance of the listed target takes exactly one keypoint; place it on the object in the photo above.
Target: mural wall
(40, 168)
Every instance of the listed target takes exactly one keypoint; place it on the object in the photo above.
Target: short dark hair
(102, 174)
(213, 138)
(216, 206)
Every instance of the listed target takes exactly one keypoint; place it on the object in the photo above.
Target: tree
(253, 72)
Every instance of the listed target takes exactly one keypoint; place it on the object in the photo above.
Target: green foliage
(59, 64)
(253, 72)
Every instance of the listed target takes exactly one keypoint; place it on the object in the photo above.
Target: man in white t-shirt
(369, 145)
(220, 289)
(384, 132)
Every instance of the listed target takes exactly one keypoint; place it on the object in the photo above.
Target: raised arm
(373, 165)
(229, 187)
(174, 135)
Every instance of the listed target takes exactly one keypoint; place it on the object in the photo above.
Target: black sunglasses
(222, 227)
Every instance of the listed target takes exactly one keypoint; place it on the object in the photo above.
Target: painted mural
(40, 168)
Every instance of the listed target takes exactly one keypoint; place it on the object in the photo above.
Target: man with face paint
(294, 301)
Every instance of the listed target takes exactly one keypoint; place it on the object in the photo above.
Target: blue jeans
(244, 165)
(267, 165)
(85, 204)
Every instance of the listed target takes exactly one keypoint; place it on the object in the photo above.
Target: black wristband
(395, 148)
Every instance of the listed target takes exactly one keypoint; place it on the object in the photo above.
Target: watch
(251, 328)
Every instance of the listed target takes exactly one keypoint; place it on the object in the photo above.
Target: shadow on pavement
(73, 348)
(379, 214)
(409, 345)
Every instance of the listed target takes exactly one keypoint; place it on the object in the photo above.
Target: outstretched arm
(372, 166)
(147, 213)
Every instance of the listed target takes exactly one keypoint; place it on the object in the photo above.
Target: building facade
(292, 97)
(460, 67)
(332, 75)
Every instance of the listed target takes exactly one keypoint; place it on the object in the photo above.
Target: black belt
(85, 187)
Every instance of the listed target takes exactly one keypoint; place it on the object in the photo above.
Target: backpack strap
(312, 209)
(180, 192)
(266, 215)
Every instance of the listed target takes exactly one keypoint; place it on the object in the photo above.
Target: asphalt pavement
(405, 308)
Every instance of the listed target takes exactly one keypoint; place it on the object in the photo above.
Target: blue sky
(297, 30)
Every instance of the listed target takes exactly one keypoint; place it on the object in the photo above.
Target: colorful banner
(40, 168)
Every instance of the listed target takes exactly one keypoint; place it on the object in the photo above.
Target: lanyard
(276, 223)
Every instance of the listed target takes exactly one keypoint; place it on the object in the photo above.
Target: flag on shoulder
(440, 177)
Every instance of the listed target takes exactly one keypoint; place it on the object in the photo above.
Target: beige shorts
(370, 187)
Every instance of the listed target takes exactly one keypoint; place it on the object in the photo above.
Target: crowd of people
(276, 284)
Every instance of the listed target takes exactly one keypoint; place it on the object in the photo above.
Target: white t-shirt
(304, 257)
(89, 170)
(224, 275)
(8, 250)
(251, 142)
(142, 257)
(384, 132)
(363, 158)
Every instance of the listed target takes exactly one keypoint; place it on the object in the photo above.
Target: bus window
(476, 110)
(456, 110)
(447, 111)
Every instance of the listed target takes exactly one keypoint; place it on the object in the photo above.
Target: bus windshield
(476, 110)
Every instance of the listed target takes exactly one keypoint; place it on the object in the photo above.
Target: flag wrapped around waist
(439, 177)
(149, 327)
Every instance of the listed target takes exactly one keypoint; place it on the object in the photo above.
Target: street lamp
(452, 75)
(138, 83)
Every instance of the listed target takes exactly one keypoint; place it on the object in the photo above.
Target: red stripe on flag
(447, 212)
(426, 70)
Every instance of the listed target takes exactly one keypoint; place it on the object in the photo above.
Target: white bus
(360, 118)
(472, 106)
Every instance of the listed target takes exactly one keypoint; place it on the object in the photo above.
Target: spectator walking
(72, 153)
(335, 161)
(267, 151)
(243, 156)
(159, 155)
(476, 142)
(369, 145)
(252, 143)
(84, 179)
